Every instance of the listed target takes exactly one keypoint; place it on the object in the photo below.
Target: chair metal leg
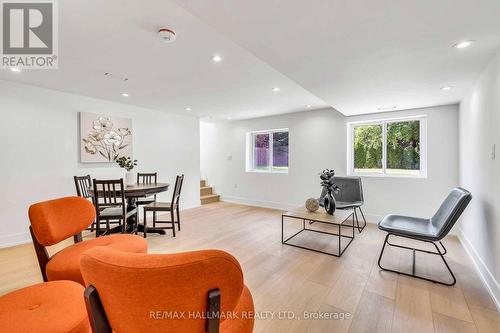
(363, 215)
(154, 219)
(145, 224)
(445, 251)
(357, 220)
(414, 250)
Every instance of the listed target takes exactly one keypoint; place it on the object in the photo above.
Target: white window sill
(266, 171)
(380, 175)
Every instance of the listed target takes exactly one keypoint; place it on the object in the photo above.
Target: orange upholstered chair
(166, 292)
(56, 220)
(55, 307)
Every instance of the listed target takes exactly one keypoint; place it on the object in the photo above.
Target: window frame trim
(384, 121)
(250, 157)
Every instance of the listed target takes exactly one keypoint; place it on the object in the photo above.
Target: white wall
(479, 173)
(39, 150)
(318, 141)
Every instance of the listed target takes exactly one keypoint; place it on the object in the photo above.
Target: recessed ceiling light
(188, 109)
(463, 44)
(15, 69)
(308, 106)
(275, 89)
(445, 88)
(387, 108)
(216, 58)
(124, 94)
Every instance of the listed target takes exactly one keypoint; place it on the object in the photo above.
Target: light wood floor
(283, 278)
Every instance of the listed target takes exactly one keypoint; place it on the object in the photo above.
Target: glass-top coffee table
(319, 222)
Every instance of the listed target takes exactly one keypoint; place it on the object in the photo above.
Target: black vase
(330, 204)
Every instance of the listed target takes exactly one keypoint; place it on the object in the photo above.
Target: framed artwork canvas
(104, 138)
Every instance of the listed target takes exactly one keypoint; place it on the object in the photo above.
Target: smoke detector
(166, 35)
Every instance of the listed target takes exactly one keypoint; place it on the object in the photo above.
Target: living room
(323, 166)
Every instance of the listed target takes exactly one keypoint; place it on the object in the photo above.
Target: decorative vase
(130, 178)
(330, 204)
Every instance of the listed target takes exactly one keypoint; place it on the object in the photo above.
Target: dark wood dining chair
(83, 184)
(172, 207)
(110, 203)
(147, 178)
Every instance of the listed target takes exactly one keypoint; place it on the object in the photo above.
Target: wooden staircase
(206, 194)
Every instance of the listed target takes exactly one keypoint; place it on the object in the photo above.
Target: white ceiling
(359, 55)
(355, 56)
(119, 36)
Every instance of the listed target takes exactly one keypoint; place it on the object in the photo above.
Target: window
(393, 147)
(267, 151)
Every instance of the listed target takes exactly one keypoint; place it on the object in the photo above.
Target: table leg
(340, 240)
(282, 239)
(132, 203)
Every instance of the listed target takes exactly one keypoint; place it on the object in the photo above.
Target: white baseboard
(24, 237)
(189, 205)
(282, 206)
(14, 239)
(372, 218)
(259, 203)
(489, 280)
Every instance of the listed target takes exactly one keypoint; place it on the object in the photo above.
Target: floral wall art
(104, 138)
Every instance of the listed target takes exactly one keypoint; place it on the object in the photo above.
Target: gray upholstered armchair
(431, 230)
(349, 196)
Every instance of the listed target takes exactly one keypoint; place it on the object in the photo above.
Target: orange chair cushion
(244, 313)
(133, 288)
(55, 307)
(55, 220)
(65, 264)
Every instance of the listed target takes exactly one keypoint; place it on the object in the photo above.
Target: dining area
(117, 204)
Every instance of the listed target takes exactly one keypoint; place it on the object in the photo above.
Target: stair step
(203, 183)
(206, 199)
(205, 190)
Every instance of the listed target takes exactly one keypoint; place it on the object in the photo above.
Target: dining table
(134, 192)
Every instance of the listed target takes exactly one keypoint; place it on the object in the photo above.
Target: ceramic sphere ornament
(312, 204)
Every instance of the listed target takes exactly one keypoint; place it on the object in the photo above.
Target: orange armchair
(180, 293)
(55, 307)
(56, 220)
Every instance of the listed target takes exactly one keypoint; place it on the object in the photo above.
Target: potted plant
(128, 164)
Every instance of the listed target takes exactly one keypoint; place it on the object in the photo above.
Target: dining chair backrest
(109, 193)
(82, 184)
(177, 190)
(350, 189)
(450, 210)
(147, 178)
